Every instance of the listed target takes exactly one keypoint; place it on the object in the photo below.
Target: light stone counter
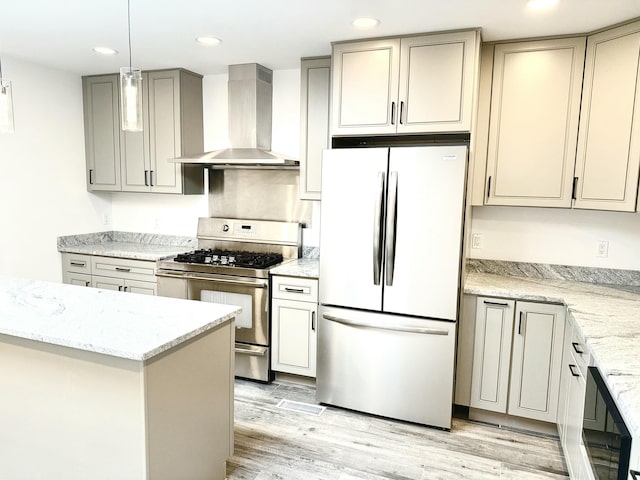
(607, 316)
(130, 326)
(138, 246)
(301, 267)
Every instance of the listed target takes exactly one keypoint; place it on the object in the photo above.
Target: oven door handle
(212, 278)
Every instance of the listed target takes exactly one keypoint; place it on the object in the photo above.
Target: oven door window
(245, 319)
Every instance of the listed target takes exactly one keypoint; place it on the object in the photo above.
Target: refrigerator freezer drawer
(393, 366)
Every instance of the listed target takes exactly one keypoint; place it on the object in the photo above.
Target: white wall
(557, 236)
(42, 187)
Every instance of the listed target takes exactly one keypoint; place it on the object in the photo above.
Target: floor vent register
(300, 407)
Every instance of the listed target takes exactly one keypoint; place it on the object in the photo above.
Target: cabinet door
(565, 380)
(365, 87)
(608, 155)
(437, 80)
(491, 354)
(536, 361)
(107, 283)
(79, 279)
(144, 288)
(164, 131)
(294, 337)
(533, 127)
(314, 123)
(134, 150)
(102, 132)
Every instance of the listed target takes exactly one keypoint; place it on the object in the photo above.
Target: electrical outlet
(156, 223)
(476, 240)
(106, 219)
(603, 249)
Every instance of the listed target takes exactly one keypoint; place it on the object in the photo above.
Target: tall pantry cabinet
(139, 161)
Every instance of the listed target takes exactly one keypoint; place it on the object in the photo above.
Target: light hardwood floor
(272, 443)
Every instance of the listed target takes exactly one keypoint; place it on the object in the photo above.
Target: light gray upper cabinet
(172, 126)
(418, 84)
(533, 123)
(608, 158)
(102, 132)
(314, 123)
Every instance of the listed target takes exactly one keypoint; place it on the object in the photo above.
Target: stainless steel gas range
(231, 266)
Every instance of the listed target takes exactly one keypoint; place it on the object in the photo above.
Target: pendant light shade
(130, 90)
(131, 99)
(6, 105)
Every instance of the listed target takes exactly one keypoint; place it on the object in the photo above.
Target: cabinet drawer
(124, 268)
(76, 262)
(293, 288)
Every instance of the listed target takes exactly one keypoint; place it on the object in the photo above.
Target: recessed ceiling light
(365, 22)
(208, 41)
(541, 4)
(105, 51)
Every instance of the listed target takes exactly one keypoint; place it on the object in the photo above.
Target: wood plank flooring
(272, 443)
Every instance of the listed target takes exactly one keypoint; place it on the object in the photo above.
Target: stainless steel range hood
(250, 98)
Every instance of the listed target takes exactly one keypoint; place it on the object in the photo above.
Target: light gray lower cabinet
(121, 274)
(139, 161)
(315, 77)
(294, 311)
(517, 358)
(571, 402)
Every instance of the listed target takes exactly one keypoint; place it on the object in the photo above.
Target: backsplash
(310, 252)
(127, 237)
(607, 276)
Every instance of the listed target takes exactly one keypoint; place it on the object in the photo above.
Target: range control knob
(225, 228)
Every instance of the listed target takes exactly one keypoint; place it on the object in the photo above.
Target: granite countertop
(608, 317)
(300, 267)
(126, 325)
(138, 246)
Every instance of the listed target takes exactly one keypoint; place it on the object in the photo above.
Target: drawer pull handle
(313, 321)
(293, 290)
(635, 474)
(125, 289)
(121, 269)
(576, 346)
(79, 264)
(497, 304)
(119, 288)
(87, 284)
(571, 367)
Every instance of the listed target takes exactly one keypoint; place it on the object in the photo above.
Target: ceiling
(275, 33)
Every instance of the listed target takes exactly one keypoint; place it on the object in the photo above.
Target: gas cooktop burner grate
(230, 258)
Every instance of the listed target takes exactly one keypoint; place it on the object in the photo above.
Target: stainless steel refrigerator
(390, 256)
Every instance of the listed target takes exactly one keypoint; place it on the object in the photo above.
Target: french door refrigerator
(390, 255)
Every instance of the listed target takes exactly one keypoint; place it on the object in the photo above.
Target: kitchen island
(104, 385)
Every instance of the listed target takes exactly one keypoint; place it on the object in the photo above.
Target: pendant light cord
(129, 27)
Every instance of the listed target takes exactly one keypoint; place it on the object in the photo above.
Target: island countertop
(136, 327)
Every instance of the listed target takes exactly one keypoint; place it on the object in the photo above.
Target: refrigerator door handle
(386, 326)
(392, 209)
(377, 230)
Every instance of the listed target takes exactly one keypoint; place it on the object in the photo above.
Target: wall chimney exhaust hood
(250, 98)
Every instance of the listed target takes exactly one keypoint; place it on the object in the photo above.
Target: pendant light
(6, 105)
(130, 90)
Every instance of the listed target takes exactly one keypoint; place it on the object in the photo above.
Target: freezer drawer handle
(211, 278)
(390, 247)
(251, 351)
(377, 230)
(380, 326)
